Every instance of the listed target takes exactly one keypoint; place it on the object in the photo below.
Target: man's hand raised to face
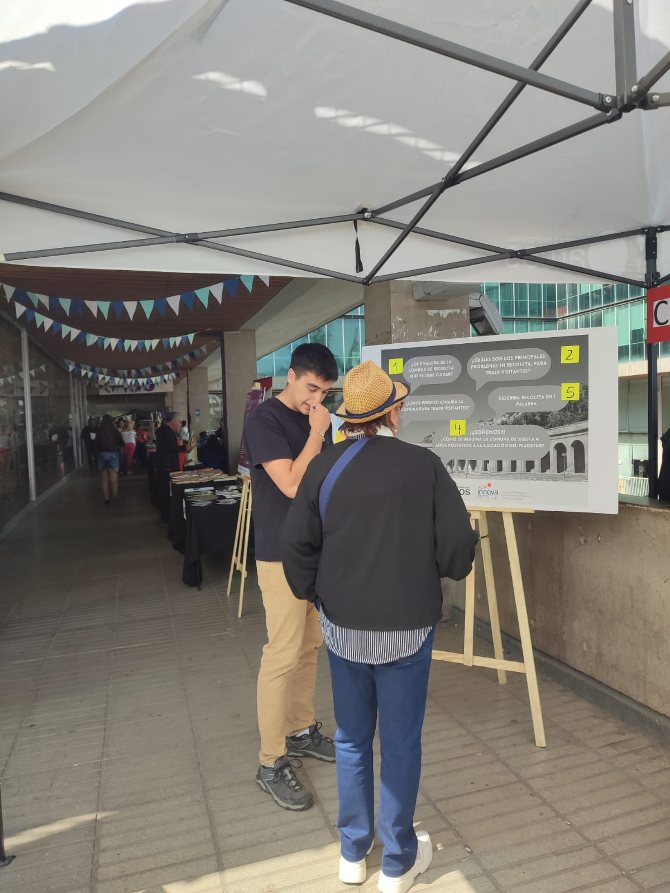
(319, 418)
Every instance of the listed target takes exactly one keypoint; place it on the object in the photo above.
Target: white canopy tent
(154, 135)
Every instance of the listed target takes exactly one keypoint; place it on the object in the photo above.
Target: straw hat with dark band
(369, 394)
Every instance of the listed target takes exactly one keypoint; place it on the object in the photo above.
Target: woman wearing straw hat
(374, 526)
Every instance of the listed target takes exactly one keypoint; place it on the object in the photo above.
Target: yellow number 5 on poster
(457, 427)
(396, 366)
(570, 390)
(570, 353)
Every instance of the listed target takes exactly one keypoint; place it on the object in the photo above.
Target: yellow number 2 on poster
(570, 353)
(457, 427)
(396, 366)
(570, 390)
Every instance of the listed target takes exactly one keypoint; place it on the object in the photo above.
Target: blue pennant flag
(166, 342)
(118, 308)
(30, 315)
(161, 306)
(230, 286)
(21, 296)
(140, 345)
(55, 328)
(101, 341)
(189, 299)
(77, 307)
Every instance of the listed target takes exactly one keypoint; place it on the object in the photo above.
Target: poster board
(261, 389)
(520, 421)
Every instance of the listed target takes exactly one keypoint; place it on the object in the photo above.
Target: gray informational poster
(520, 421)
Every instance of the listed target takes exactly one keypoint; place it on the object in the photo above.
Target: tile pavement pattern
(128, 741)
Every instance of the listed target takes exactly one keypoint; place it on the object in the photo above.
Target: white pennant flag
(9, 291)
(174, 302)
(74, 333)
(265, 279)
(20, 310)
(131, 307)
(113, 342)
(217, 290)
(43, 299)
(47, 323)
(92, 306)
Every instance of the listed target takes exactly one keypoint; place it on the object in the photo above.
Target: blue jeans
(396, 692)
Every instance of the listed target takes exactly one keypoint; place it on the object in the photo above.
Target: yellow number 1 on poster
(570, 353)
(457, 427)
(396, 366)
(570, 390)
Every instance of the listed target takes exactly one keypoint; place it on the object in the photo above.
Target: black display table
(208, 529)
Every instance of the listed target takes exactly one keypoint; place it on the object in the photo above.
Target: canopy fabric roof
(191, 116)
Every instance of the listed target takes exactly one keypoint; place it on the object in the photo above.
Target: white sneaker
(354, 872)
(424, 856)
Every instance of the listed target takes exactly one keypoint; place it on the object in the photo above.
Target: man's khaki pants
(287, 676)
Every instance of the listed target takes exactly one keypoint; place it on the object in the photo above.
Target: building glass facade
(528, 307)
(344, 336)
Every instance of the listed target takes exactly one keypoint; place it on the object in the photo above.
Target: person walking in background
(375, 524)
(282, 436)
(141, 440)
(88, 434)
(129, 437)
(109, 446)
(168, 444)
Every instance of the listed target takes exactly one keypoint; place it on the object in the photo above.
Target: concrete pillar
(179, 402)
(569, 457)
(197, 381)
(240, 369)
(392, 314)
(507, 466)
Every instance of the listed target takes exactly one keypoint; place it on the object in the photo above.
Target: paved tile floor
(128, 741)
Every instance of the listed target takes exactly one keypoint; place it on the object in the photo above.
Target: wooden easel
(468, 658)
(241, 545)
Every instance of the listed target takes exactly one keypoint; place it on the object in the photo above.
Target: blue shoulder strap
(335, 472)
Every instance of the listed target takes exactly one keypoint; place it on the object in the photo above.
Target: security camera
(484, 315)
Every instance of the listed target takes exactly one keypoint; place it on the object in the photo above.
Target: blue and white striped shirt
(371, 646)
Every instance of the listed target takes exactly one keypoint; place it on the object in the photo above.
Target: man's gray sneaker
(312, 744)
(281, 783)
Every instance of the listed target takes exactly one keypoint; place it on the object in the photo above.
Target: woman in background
(129, 437)
(109, 445)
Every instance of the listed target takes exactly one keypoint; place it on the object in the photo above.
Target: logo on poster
(488, 491)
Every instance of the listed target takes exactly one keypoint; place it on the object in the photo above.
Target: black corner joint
(651, 256)
(192, 238)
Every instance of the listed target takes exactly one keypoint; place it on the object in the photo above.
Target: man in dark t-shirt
(282, 436)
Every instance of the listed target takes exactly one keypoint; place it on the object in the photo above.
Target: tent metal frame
(632, 93)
